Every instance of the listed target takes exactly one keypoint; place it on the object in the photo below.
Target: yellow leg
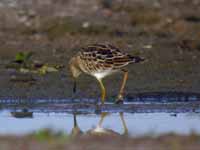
(121, 92)
(103, 115)
(103, 94)
(124, 123)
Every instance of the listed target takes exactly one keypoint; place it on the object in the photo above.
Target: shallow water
(150, 113)
(137, 124)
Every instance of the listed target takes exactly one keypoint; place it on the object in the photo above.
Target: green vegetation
(48, 135)
(23, 57)
(24, 63)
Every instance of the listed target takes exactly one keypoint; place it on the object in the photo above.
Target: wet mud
(166, 33)
(37, 39)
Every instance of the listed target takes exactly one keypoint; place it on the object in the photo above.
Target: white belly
(100, 75)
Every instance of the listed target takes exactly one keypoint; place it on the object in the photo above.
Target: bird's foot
(120, 100)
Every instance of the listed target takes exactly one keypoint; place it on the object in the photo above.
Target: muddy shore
(166, 33)
(165, 142)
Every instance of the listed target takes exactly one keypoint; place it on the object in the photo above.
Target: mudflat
(165, 142)
(165, 33)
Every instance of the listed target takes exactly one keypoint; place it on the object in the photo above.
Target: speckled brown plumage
(100, 60)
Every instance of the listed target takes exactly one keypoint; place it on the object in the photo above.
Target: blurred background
(38, 37)
(166, 33)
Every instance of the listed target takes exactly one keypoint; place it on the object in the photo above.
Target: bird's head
(75, 70)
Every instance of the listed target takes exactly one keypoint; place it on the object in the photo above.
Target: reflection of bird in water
(98, 130)
(76, 131)
(100, 60)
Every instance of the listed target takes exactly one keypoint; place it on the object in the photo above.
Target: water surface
(137, 124)
(147, 113)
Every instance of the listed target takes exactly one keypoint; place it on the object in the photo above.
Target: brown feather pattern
(102, 57)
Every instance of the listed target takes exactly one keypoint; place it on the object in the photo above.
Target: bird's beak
(74, 88)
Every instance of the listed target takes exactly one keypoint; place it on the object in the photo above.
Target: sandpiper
(99, 61)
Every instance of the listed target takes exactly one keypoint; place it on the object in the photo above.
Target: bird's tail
(136, 59)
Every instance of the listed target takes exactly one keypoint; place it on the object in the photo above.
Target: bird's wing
(106, 56)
